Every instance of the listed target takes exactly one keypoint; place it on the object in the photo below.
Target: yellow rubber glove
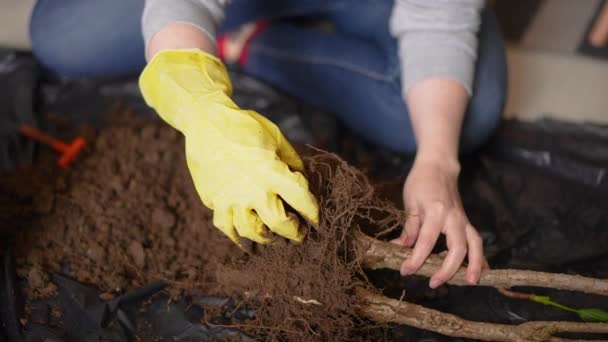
(239, 161)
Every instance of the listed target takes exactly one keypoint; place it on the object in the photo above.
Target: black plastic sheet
(537, 193)
(19, 75)
(11, 301)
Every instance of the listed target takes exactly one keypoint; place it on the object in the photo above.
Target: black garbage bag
(537, 194)
(144, 314)
(19, 75)
(11, 299)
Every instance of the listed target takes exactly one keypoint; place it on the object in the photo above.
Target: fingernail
(434, 283)
(472, 278)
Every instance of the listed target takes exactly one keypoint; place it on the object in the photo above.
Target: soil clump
(124, 215)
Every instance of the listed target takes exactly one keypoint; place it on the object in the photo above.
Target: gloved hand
(239, 161)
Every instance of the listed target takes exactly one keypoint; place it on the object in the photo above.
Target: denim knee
(42, 36)
(88, 39)
(483, 117)
(47, 34)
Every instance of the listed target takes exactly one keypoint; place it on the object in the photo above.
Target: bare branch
(515, 295)
(377, 254)
(384, 310)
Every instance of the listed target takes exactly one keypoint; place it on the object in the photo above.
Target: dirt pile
(127, 214)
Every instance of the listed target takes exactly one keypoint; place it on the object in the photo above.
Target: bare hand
(433, 206)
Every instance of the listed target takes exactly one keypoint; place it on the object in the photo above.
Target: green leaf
(593, 315)
(587, 315)
(542, 299)
(547, 301)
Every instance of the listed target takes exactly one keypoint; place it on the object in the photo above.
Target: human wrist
(180, 36)
(438, 158)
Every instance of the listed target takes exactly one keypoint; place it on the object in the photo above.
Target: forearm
(438, 50)
(437, 107)
(430, 193)
(181, 24)
(179, 36)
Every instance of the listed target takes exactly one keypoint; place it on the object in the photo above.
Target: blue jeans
(353, 71)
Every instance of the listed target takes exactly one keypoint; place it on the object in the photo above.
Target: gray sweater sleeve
(206, 15)
(436, 38)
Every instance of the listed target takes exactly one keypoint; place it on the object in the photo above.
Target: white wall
(561, 86)
(14, 22)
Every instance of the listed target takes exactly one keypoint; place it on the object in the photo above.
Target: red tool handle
(36, 134)
(68, 152)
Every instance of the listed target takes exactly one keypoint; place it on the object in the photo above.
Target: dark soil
(126, 214)
(123, 216)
